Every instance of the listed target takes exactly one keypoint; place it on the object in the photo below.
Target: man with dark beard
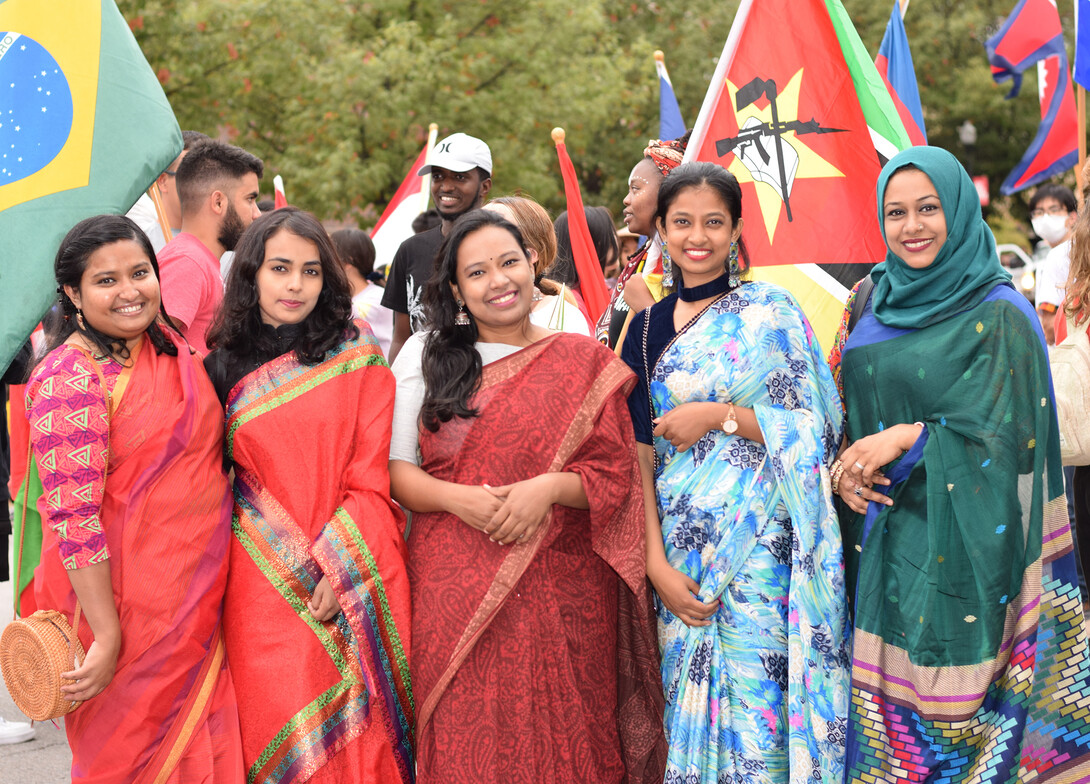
(461, 176)
(218, 190)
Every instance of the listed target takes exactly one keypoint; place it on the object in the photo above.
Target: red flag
(785, 119)
(1032, 34)
(409, 200)
(279, 199)
(592, 283)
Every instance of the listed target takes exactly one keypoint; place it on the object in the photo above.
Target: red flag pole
(592, 282)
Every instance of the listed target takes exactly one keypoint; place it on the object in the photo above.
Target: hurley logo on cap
(459, 153)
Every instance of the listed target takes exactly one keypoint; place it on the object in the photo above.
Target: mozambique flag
(799, 114)
(84, 130)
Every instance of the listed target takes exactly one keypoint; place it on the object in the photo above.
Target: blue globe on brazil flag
(35, 107)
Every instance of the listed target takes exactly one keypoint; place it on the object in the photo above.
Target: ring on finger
(859, 465)
(858, 491)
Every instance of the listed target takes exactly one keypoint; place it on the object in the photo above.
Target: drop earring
(667, 268)
(734, 279)
(462, 319)
(79, 319)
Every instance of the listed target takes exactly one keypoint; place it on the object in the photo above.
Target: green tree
(337, 95)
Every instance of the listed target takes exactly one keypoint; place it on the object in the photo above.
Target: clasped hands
(508, 514)
(863, 461)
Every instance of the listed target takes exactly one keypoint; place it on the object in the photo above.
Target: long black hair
(702, 174)
(238, 327)
(75, 250)
(602, 234)
(450, 363)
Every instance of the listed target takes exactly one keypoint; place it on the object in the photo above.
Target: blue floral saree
(761, 695)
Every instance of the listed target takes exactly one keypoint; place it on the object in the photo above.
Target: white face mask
(1051, 228)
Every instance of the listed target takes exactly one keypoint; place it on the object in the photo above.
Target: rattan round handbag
(34, 652)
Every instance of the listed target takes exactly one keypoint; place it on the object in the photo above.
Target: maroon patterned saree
(537, 662)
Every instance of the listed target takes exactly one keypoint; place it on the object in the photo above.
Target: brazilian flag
(84, 129)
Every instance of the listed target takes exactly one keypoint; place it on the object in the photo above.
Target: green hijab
(967, 266)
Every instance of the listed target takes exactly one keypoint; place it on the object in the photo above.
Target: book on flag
(86, 130)
(395, 225)
(894, 63)
(671, 125)
(799, 114)
(1032, 35)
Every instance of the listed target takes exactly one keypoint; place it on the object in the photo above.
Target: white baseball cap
(458, 153)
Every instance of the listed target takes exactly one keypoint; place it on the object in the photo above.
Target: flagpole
(1080, 110)
(160, 211)
(425, 190)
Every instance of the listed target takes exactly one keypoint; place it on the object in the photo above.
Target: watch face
(730, 426)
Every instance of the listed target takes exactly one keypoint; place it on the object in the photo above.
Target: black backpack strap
(862, 297)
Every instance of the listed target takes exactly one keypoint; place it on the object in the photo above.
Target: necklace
(720, 285)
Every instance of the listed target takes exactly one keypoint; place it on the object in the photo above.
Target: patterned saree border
(290, 379)
(328, 723)
(611, 378)
(193, 711)
(948, 693)
(367, 609)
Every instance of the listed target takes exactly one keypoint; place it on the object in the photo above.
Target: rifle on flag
(671, 126)
(90, 142)
(592, 282)
(409, 200)
(800, 115)
(1032, 35)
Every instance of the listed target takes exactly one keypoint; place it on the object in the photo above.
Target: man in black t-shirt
(461, 176)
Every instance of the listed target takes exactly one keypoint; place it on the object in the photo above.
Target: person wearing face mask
(958, 551)
(1052, 211)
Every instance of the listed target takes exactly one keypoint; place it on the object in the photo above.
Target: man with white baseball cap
(461, 176)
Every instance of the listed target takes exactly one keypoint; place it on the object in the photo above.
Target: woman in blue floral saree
(736, 428)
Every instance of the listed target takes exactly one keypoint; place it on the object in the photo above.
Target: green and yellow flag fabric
(84, 130)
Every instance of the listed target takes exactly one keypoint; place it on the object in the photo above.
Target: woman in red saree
(317, 606)
(141, 542)
(534, 655)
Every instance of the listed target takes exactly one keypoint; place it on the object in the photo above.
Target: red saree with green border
(169, 714)
(318, 702)
(538, 662)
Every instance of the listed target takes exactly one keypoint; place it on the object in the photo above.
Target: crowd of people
(326, 530)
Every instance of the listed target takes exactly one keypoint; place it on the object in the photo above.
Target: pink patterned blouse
(69, 433)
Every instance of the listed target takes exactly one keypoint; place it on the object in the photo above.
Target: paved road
(44, 760)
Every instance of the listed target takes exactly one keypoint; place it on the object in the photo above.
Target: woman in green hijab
(970, 656)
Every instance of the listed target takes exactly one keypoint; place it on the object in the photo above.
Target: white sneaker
(15, 731)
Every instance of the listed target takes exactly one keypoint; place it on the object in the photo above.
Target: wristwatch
(730, 424)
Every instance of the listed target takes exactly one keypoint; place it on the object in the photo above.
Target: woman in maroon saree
(534, 657)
